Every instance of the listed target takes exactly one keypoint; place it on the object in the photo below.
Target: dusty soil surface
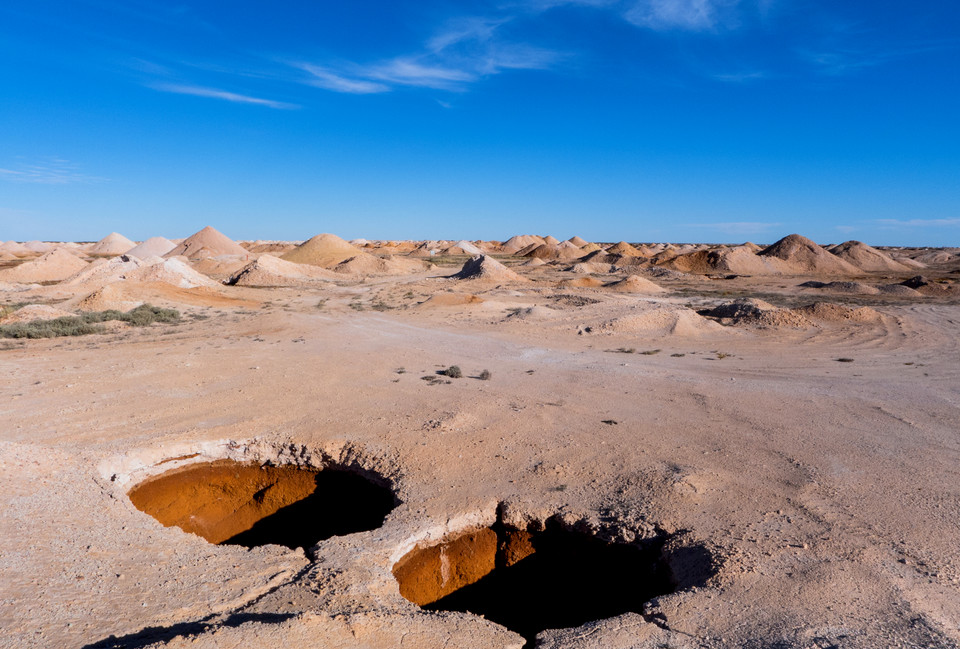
(797, 479)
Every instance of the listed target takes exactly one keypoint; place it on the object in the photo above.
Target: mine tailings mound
(232, 503)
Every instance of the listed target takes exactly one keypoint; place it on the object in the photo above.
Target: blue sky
(644, 120)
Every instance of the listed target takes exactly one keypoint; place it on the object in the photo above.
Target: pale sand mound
(462, 248)
(580, 282)
(267, 270)
(866, 257)
(534, 262)
(488, 269)
(112, 244)
(829, 312)
(104, 271)
(367, 264)
(171, 271)
(7, 256)
(38, 247)
(623, 248)
(50, 267)
(325, 250)
(587, 268)
(208, 242)
(590, 247)
(516, 243)
(450, 299)
(660, 319)
(805, 256)
(551, 251)
(152, 247)
(32, 312)
(551, 241)
(740, 261)
(124, 296)
(846, 288)
(635, 284)
(17, 249)
(577, 241)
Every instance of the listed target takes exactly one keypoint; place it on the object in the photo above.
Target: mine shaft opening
(533, 581)
(233, 503)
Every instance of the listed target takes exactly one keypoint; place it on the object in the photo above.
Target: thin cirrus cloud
(52, 171)
(918, 223)
(690, 15)
(466, 51)
(214, 93)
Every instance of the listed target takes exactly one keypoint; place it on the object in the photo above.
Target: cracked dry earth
(731, 489)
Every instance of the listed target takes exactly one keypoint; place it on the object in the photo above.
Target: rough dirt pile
(112, 244)
(32, 312)
(580, 282)
(152, 247)
(50, 267)
(805, 256)
(366, 265)
(172, 271)
(267, 270)
(588, 268)
(488, 269)
(550, 251)
(742, 308)
(635, 284)
(450, 299)
(866, 257)
(16, 249)
(101, 272)
(623, 248)
(659, 319)
(739, 261)
(516, 243)
(38, 247)
(462, 248)
(208, 242)
(112, 296)
(845, 288)
(829, 312)
(578, 242)
(324, 250)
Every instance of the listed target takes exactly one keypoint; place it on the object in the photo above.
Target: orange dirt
(219, 500)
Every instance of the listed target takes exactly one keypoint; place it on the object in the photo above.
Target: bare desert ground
(468, 444)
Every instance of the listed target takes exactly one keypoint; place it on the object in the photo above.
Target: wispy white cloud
(214, 93)
(462, 52)
(740, 77)
(918, 223)
(690, 15)
(323, 77)
(48, 171)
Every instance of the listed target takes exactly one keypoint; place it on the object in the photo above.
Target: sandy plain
(797, 500)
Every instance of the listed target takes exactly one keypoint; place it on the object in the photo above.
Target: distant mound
(635, 284)
(742, 308)
(580, 282)
(112, 244)
(846, 288)
(552, 241)
(152, 247)
(450, 299)
(578, 242)
(805, 256)
(516, 243)
(32, 312)
(623, 248)
(16, 249)
(829, 312)
(660, 320)
(267, 270)
(740, 260)
(462, 248)
(208, 242)
(863, 256)
(487, 268)
(324, 250)
(51, 267)
(366, 264)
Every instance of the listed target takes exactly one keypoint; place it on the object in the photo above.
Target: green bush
(88, 323)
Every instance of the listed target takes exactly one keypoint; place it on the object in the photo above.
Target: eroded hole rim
(675, 562)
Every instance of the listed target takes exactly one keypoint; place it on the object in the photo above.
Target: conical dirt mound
(51, 267)
(208, 242)
(152, 247)
(325, 250)
(112, 244)
(866, 257)
(805, 256)
(486, 268)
